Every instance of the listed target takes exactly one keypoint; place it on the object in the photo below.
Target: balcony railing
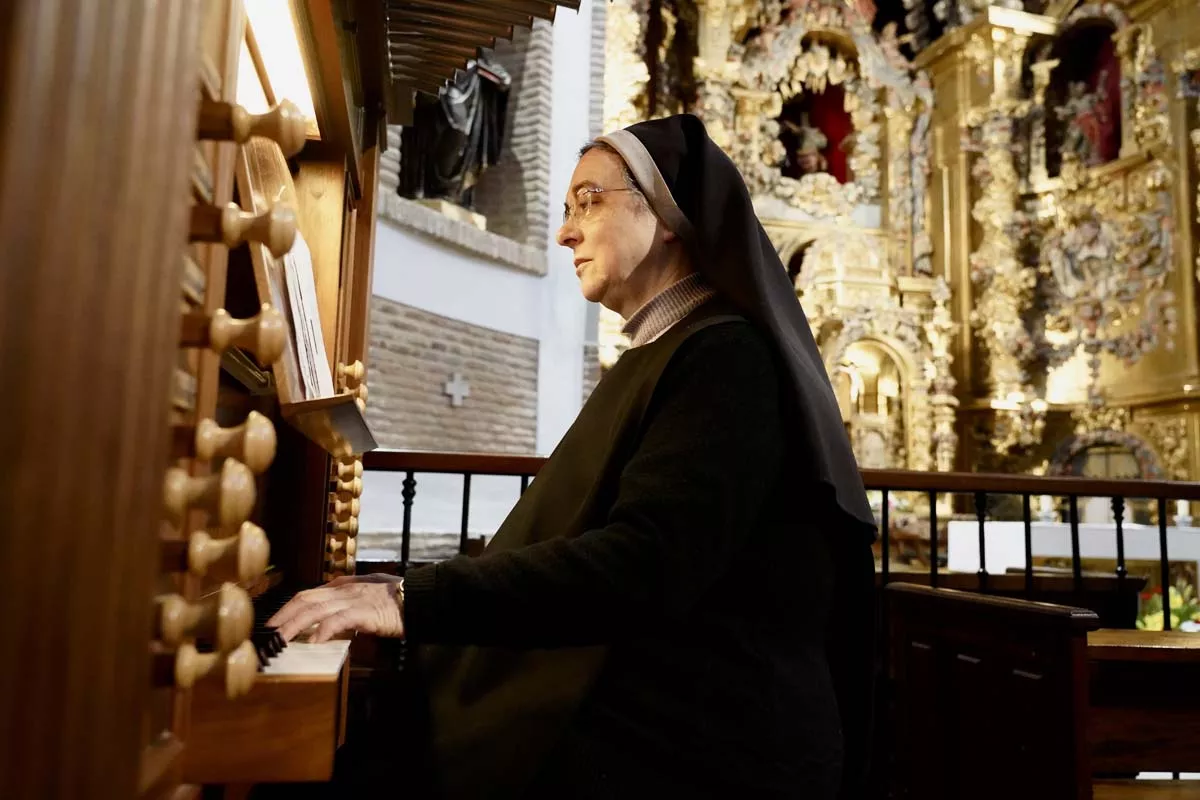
(928, 486)
(1114, 596)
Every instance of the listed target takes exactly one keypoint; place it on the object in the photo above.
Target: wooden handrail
(457, 463)
(1000, 483)
(890, 479)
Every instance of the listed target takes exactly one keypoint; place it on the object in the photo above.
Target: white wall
(426, 273)
(429, 274)
(432, 275)
(564, 311)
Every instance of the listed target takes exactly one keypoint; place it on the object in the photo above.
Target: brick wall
(591, 369)
(514, 194)
(414, 353)
(596, 88)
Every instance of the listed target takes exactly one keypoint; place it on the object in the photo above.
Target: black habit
(681, 601)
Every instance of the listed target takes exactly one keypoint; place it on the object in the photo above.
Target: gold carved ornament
(1168, 436)
(790, 58)
(1187, 81)
(939, 332)
(1106, 258)
(1005, 284)
(625, 73)
(1146, 107)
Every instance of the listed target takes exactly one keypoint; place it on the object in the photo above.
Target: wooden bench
(991, 696)
(1115, 600)
(994, 699)
(1146, 790)
(1144, 701)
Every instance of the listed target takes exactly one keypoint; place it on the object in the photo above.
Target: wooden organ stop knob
(252, 442)
(348, 526)
(348, 470)
(241, 557)
(351, 374)
(340, 564)
(349, 546)
(283, 124)
(359, 393)
(235, 670)
(228, 495)
(343, 510)
(264, 335)
(275, 228)
(224, 618)
(349, 489)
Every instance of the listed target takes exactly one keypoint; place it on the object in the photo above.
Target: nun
(681, 603)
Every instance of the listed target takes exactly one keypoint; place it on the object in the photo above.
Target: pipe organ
(145, 281)
(187, 195)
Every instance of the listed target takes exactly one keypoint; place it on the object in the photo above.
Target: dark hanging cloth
(682, 598)
(456, 136)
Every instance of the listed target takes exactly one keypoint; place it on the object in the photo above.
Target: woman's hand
(362, 603)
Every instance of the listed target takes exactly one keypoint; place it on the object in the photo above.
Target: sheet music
(306, 321)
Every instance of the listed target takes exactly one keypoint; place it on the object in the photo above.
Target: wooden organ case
(183, 394)
(157, 183)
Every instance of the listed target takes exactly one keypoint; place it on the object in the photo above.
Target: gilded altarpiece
(993, 232)
(830, 125)
(1065, 179)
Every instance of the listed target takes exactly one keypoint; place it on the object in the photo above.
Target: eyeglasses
(583, 202)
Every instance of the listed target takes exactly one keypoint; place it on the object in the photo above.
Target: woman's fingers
(300, 601)
(310, 611)
(350, 618)
(315, 606)
(290, 608)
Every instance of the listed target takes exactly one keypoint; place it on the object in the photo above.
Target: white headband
(646, 173)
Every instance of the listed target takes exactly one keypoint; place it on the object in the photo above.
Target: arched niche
(1103, 455)
(873, 384)
(815, 125)
(795, 63)
(1083, 99)
(795, 263)
(1106, 454)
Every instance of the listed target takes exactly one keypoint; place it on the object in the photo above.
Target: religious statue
(890, 42)
(1189, 80)
(1084, 264)
(1086, 121)
(456, 136)
(804, 144)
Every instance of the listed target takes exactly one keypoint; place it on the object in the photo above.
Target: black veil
(699, 194)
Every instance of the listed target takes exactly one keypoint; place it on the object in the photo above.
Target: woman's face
(618, 242)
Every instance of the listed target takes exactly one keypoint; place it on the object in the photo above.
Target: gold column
(625, 73)
(719, 23)
(1037, 145)
(976, 78)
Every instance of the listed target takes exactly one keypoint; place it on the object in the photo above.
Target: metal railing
(976, 486)
(979, 486)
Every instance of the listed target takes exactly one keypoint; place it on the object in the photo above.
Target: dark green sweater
(698, 565)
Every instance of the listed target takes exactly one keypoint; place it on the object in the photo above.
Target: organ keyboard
(289, 726)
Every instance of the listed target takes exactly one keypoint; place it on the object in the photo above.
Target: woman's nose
(568, 234)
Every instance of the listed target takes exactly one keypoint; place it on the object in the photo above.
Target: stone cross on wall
(457, 389)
